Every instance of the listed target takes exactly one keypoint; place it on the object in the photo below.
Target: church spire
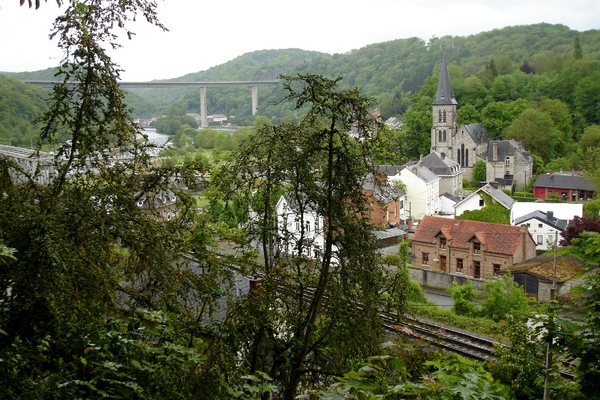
(444, 94)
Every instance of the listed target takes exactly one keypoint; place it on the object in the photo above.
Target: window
(440, 116)
(444, 116)
(439, 136)
(316, 224)
(540, 239)
(459, 265)
(298, 226)
(425, 258)
(481, 203)
(477, 266)
(307, 226)
(442, 243)
(476, 247)
(444, 136)
(507, 161)
(496, 269)
(540, 225)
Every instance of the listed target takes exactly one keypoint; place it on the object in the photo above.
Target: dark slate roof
(478, 133)
(564, 180)
(439, 164)
(444, 94)
(547, 218)
(496, 238)
(506, 148)
(390, 170)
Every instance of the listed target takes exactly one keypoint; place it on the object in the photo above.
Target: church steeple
(444, 94)
(444, 106)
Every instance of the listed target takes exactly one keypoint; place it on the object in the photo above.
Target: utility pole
(550, 338)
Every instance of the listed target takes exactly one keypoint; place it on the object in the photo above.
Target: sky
(205, 34)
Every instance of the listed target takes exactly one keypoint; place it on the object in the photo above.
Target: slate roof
(444, 94)
(390, 170)
(440, 164)
(564, 180)
(478, 133)
(505, 148)
(547, 218)
(542, 267)
(421, 171)
(494, 238)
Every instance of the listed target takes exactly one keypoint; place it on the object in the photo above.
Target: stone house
(507, 163)
(472, 248)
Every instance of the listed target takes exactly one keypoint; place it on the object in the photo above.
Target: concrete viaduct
(202, 85)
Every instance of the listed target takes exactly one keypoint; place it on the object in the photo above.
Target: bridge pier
(254, 100)
(203, 108)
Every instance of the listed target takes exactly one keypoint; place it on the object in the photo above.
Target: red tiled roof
(495, 238)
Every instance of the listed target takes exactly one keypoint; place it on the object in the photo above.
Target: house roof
(439, 164)
(564, 180)
(494, 238)
(547, 218)
(390, 170)
(444, 94)
(542, 267)
(477, 132)
(505, 148)
(496, 194)
(421, 171)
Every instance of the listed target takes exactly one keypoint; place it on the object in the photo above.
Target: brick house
(471, 248)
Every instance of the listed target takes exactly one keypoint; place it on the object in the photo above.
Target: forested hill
(386, 70)
(390, 71)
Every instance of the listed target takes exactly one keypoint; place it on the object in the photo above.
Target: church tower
(444, 114)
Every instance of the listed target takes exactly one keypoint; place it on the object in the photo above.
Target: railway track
(467, 344)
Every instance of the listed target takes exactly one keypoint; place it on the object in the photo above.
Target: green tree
(479, 172)
(321, 168)
(503, 297)
(463, 296)
(86, 252)
(539, 134)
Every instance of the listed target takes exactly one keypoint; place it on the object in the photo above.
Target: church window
(440, 116)
(444, 137)
(444, 116)
(466, 157)
(439, 136)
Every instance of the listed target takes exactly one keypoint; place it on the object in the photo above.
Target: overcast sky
(204, 34)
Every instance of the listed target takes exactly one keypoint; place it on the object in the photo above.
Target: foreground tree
(316, 312)
(85, 252)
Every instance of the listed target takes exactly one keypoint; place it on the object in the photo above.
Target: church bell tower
(444, 113)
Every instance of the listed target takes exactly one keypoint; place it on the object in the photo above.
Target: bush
(463, 299)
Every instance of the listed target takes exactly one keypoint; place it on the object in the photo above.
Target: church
(508, 164)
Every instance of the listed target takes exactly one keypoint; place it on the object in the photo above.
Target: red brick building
(472, 248)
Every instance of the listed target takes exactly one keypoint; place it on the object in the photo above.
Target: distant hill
(389, 71)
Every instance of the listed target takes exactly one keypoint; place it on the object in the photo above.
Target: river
(155, 137)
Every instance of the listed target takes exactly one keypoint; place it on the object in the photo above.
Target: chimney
(523, 228)
(409, 224)
(550, 216)
(495, 151)
(550, 173)
(414, 170)
(443, 155)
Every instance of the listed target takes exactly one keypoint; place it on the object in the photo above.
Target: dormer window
(442, 243)
(476, 247)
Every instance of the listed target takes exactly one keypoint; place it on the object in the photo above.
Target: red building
(570, 186)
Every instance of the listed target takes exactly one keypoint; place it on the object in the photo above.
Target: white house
(543, 227)
(566, 211)
(475, 201)
(422, 190)
(292, 226)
